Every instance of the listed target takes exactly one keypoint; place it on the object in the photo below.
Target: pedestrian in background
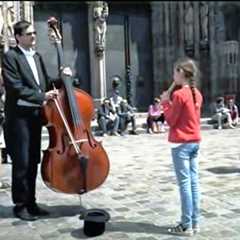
(182, 112)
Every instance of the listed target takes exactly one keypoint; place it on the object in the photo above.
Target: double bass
(74, 162)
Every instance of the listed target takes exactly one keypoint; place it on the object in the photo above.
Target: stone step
(141, 120)
(140, 123)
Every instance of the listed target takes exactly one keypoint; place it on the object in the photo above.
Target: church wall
(206, 31)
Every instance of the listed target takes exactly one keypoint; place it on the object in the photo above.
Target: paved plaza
(140, 193)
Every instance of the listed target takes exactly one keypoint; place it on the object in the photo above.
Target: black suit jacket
(19, 80)
(104, 111)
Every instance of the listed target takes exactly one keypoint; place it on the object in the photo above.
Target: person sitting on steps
(107, 118)
(155, 115)
(222, 114)
(127, 115)
(234, 112)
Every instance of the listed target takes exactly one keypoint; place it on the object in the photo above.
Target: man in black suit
(27, 87)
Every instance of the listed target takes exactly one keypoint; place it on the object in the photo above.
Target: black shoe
(22, 213)
(133, 132)
(4, 156)
(35, 210)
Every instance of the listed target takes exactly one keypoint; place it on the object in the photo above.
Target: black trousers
(23, 143)
(125, 120)
(150, 120)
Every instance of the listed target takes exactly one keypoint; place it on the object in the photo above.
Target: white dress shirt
(29, 55)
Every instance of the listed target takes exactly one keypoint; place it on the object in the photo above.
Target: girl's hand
(165, 96)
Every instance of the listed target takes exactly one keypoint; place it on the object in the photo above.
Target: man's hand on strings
(50, 95)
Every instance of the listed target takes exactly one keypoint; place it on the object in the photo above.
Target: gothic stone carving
(1, 20)
(204, 21)
(231, 65)
(188, 32)
(7, 20)
(100, 13)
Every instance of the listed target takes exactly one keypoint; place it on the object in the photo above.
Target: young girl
(182, 113)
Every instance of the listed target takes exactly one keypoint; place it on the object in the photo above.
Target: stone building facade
(138, 42)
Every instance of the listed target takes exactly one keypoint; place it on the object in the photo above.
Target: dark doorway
(73, 24)
(129, 52)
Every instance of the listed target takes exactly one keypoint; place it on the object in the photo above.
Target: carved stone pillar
(204, 24)
(167, 40)
(189, 26)
(181, 51)
(173, 54)
(27, 11)
(97, 13)
(156, 18)
(196, 30)
(213, 51)
(161, 50)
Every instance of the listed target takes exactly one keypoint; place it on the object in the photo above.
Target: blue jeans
(186, 168)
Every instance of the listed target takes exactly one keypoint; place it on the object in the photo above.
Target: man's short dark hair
(220, 99)
(20, 27)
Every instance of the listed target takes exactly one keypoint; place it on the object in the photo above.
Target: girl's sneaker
(4, 185)
(181, 230)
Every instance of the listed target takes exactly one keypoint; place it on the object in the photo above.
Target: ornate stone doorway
(129, 52)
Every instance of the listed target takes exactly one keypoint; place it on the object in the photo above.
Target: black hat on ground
(94, 222)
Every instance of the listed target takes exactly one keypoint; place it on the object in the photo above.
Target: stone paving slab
(140, 193)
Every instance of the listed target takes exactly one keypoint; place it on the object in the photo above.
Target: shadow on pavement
(64, 211)
(55, 211)
(129, 227)
(224, 170)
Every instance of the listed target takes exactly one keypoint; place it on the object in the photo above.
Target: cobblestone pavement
(140, 193)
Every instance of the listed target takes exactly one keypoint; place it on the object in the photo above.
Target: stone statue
(11, 18)
(100, 14)
(188, 33)
(1, 20)
(7, 21)
(204, 21)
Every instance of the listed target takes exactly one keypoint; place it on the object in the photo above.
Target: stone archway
(231, 12)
